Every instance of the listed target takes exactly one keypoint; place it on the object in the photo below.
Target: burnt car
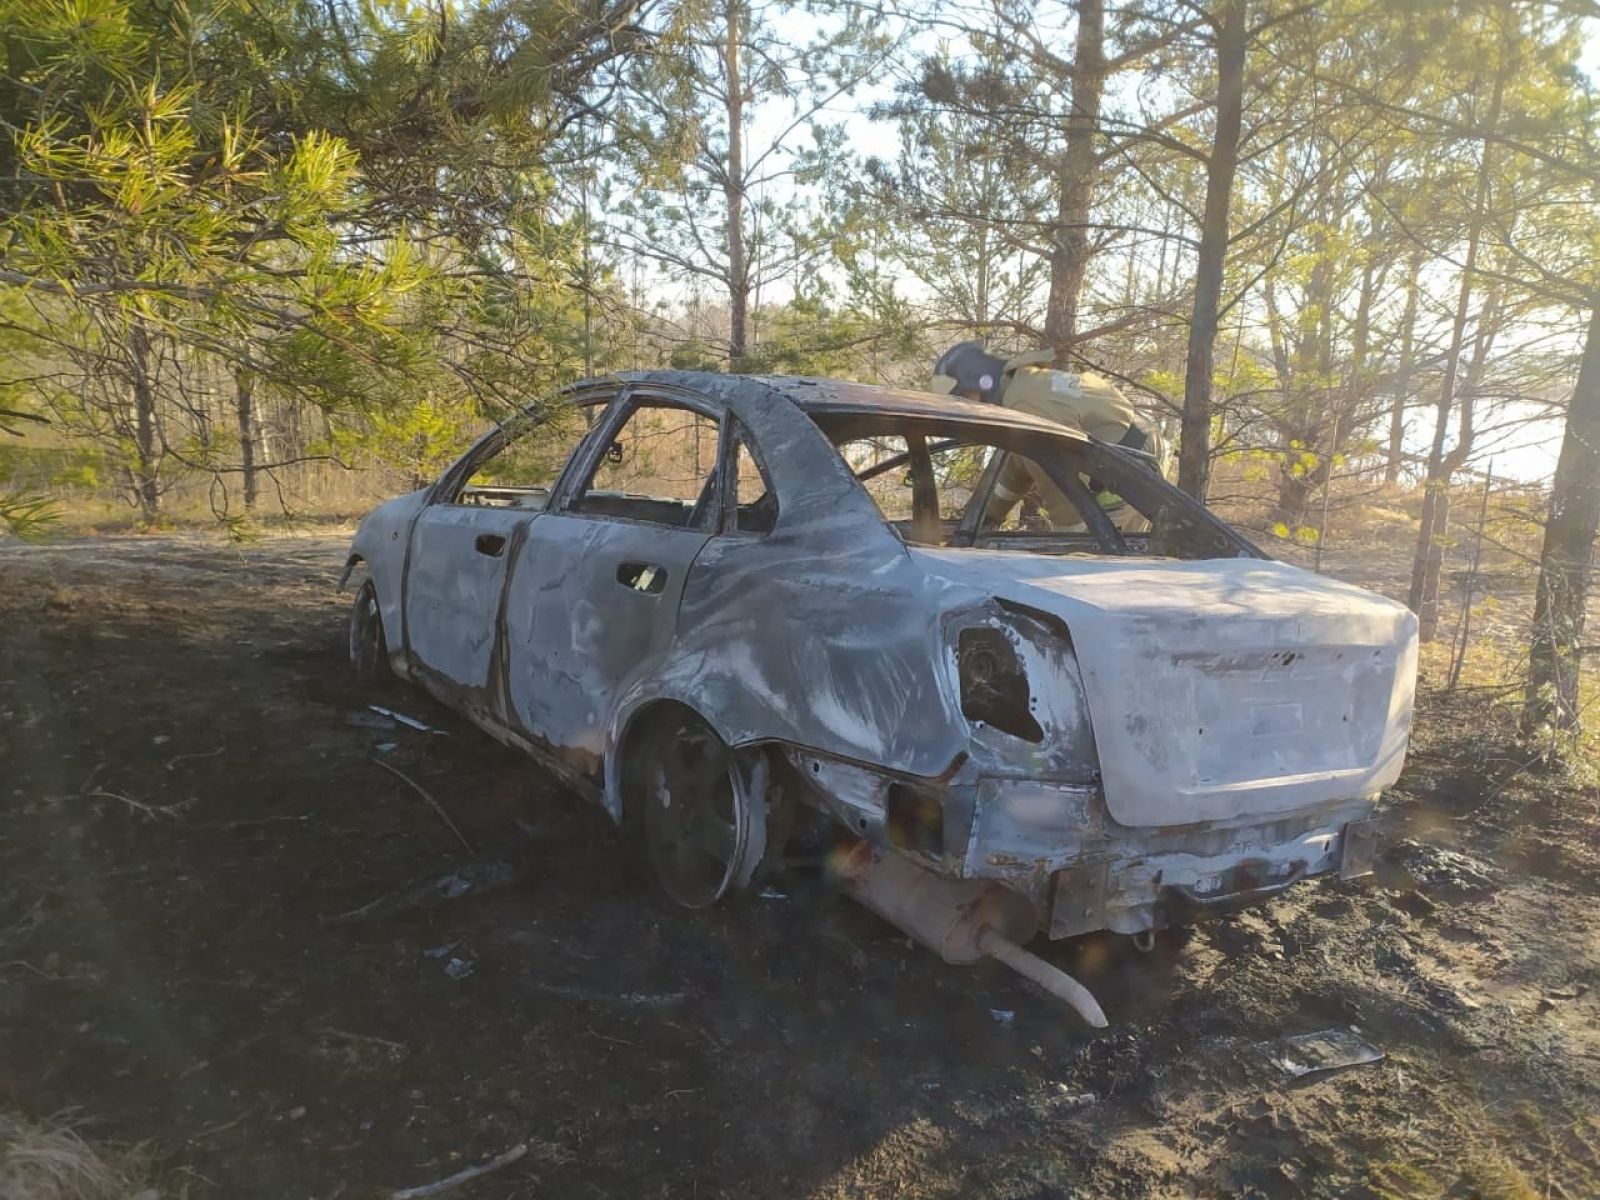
(733, 610)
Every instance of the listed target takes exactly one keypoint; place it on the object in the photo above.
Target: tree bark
(1402, 378)
(733, 190)
(1075, 180)
(1426, 564)
(1325, 418)
(1294, 498)
(245, 405)
(1359, 380)
(1194, 447)
(1566, 559)
(983, 268)
(1428, 591)
(147, 457)
(587, 266)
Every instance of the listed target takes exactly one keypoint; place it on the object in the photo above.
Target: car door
(597, 582)
(462, 544)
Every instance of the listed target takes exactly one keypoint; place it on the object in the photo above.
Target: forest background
(265, 261)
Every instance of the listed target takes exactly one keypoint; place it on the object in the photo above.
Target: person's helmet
(968, 367)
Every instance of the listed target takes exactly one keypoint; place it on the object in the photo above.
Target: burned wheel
(696, 814)
(369, 649)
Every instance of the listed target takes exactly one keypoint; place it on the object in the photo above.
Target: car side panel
(453, 588)
(822, 633)
(838, 652)
(380, 542)
(582, 618)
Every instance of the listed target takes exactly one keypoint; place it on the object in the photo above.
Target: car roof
(840, 397)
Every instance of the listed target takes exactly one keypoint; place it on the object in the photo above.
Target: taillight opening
(994, 683)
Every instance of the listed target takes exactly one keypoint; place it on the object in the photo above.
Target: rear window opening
(962, 484)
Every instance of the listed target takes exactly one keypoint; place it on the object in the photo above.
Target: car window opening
(660, 467)
(531, 453)
(963, 484)
(755, 505)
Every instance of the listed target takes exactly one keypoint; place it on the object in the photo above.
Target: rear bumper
(1180, 888)
(1056, 844)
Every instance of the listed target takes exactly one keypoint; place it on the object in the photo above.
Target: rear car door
(462, 544)
(597, 582)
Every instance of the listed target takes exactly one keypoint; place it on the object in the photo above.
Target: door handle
(491, 544)
(642, 577)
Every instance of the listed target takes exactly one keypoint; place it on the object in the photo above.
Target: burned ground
(226, 932)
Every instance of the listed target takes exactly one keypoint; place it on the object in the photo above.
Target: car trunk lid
(1221, 688)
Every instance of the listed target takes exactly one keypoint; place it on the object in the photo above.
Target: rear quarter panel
(821, 634)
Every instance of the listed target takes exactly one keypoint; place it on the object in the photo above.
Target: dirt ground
(226, 932)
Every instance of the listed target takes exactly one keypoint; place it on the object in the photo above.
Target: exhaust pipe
(961, 920)
(1051, 978)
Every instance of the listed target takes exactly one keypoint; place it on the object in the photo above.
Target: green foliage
(959, 207)
(28, 516)
(536, 458)
(810, 336)
(417, 439)
(410, 219)
(693, 355)
(348, 203)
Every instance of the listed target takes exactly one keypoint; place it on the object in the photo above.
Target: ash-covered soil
(226, 932)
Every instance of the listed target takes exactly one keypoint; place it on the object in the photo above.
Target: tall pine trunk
(984, 269)
(1075, 180)
(733, 190)
(1566, 558)
(146, 434)
(245, 405)
(1194, 447)
(1402, 378)
(1428, 561)
(1293, 504)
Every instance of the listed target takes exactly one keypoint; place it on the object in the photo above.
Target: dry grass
(1494, 666)
(52, 1162)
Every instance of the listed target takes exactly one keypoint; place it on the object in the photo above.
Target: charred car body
(741, 603)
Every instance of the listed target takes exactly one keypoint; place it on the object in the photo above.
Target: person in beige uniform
(1030, 383)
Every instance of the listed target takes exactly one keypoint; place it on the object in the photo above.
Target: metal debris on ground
(1305, 1054)
(1003, 1016)
(458, 968)
(409, 722)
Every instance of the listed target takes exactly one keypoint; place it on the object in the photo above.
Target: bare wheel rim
(366, 634)
(693, 820)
